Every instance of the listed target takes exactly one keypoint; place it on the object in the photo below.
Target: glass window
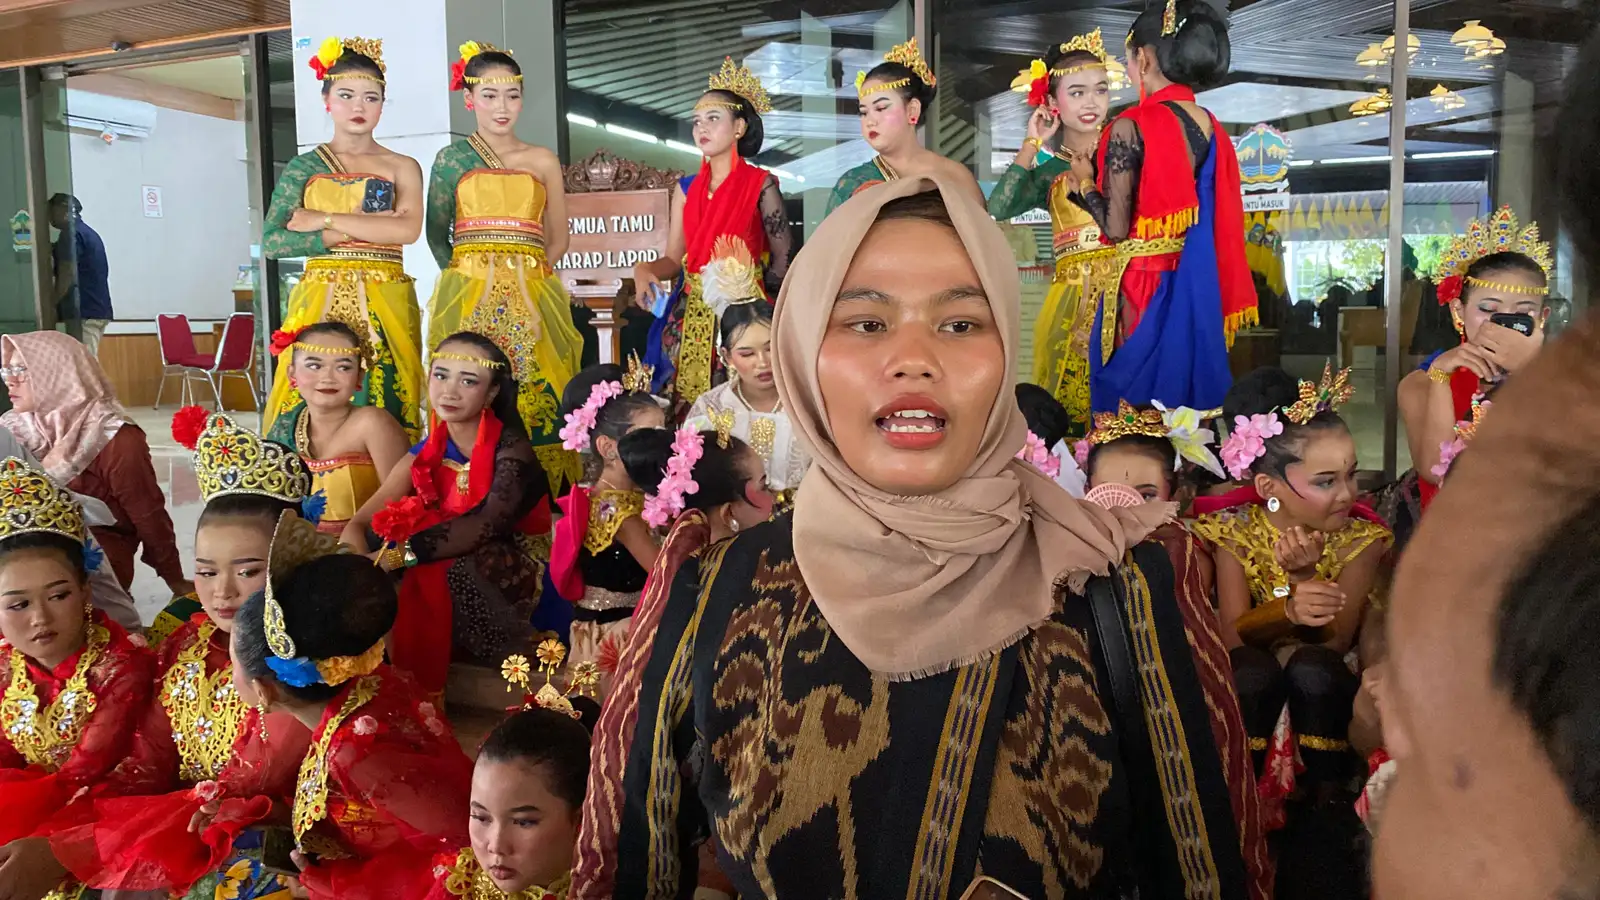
(635, 70)
(17, 312)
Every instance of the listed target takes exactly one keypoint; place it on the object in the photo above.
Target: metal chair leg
(216, 392)
(162, 387)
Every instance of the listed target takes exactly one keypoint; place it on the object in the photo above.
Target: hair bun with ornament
(584, 680)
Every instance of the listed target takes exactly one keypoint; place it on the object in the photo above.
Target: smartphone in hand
(1521, 323)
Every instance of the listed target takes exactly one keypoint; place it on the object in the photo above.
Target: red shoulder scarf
(1167, 202)
(734, 209)
(1464, 385)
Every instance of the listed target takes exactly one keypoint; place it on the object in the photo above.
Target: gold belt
(366, 253)
(1073, 268)
(342, 267)
(1105, 283)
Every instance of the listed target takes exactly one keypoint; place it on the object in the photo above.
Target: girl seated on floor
(384, 786)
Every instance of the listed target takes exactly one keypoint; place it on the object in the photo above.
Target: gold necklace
(46, 738)
(204, 710)
(302, 431)
(311, 788)
(739, 392)
(468, 879)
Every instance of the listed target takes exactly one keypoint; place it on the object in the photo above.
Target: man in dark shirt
(83, 288)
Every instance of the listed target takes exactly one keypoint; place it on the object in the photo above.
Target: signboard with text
(612, 231)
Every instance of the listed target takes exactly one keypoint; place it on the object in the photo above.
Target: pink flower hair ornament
(1080, 452)
(1248, 442)
(668, 500)
(581, 421)
(1036, 453)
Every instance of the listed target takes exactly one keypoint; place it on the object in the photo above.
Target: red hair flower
(283, 339)
(401, 519)
(187, 423)
(1038, 91)
(318, 67)
(458, 75)
(1449, 289)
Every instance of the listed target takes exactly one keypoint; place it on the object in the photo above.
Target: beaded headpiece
(458, 69)
(741, 82)
(229, 459)
(1327, 395)
(30, 503)
(334, 47)
(731, 277)
(296, 542)
(638, 377)
(468, 358)
(550, 654)
(1498, 233)
(1169, 19)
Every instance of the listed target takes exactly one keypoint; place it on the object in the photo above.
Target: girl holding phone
(1495, 281)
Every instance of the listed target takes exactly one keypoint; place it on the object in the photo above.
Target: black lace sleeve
(519, 484)
(780, 237)
(1112, 206)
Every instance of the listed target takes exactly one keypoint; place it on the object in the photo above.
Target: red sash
(1464, 385)
(1167, 203)
(570, 534)
(734, 209)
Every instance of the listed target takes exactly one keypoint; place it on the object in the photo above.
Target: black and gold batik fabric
(821, 779)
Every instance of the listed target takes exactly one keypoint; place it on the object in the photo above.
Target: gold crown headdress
(332, 48)
(1127, 421)
(1497, 233)
(1035, 80)
(229, 459)
(296, 542)
(1328, 395)
(908, 55)
(550, 654)
(473, 48)
(731, 276)
(494, 364)
(30, 503)
(638, 377)
(741, 82)
(1092, 43)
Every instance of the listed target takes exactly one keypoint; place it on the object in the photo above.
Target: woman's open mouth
(912, 422)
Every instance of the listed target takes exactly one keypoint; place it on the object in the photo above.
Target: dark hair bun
(1199, 54)
(1262, 391)
(1047, 418)
(490, 59)
(645, 454)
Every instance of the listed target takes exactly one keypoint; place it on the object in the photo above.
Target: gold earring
(261, 721)
(1455, 319)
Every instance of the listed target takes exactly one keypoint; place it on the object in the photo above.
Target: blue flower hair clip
(313, 506)
(298, 672)
(93, 556)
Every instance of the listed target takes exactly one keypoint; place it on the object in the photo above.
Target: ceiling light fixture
(1454, 154)
(1355, 160)
(1413, 44)
(1446, 99)
(681, 146)
(1472, 36)
(576, 119)
(1372, 57)
(630, 133)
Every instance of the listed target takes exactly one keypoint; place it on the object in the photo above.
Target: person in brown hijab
(940, 667)
(1491, 701)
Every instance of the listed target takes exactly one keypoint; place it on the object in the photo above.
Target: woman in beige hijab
(909, 683)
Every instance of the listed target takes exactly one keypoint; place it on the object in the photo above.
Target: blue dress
(1178, 353)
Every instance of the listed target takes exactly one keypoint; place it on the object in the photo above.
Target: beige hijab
(75, 412)
(915, 586)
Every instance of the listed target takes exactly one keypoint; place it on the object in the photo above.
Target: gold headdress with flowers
(1497, 233)
(741, 82)
(551, 654)
(731, 277)
(1035, 80)
(229, 459)
(30, 503)
(908, 55)
(334, 47)
(638, 377)
(296, 542)
(1180, 425)
(1327, 395)
(473, 48)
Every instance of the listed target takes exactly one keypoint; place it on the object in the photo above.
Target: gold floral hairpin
(1328, 395)
(551, 654)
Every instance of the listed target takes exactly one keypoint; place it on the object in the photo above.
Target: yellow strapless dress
(500, 284)
(1061, 333)
(365, 286)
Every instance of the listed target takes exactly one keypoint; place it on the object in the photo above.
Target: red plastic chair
(178, 355)
(235, 355)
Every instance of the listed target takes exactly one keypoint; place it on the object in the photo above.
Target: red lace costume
(197, 742)
(382, 791)
(63, 729)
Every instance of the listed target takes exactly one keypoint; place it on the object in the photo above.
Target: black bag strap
(1121, 670)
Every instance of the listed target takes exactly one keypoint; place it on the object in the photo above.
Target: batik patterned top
(819, 778)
